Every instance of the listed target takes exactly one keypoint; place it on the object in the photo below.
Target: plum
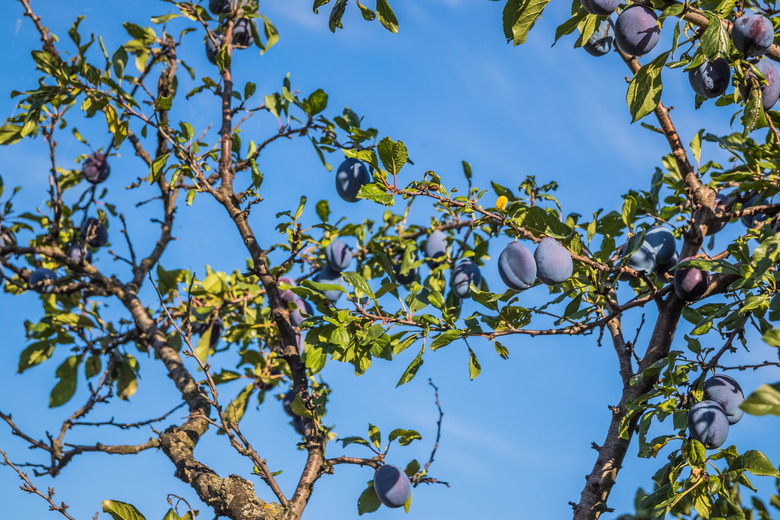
(723, 203)
(711, 78)
(643, 259)
(287, 294)
(412, 275)
(301, 307)
(661, 241)
(242, 33)
(338, 255)
(636, 31)
(326, 275)
(392, 486)
(600, 42)
(351, 175)
(464, 274)
(220, 6)
(211, 49)
(723, 390)
(690, 283)
(600, 7)
(7, 239)
(79, 253)
(752, 34)
(297, 424)
(435, 248)
(553, 262)
(95, 168)
(94, 233)
(517, 266)
(666, 266)
(287, 402)
(43, 280)
(769, 92)
(750, 221)
(708, 424)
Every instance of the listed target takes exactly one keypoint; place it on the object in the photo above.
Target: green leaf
(121, 510)
(644, 91)
(375, 193)
(237, 407)
(359, 283)
(368, 502)
(386, 16)
(765, 400)
(405, 437)
(375, 435)
(474, 368)
(412, 369)
(346, 441)
(158, 165)
(519, 16)
(66, 386)
(715, 40)
(756, 463)
(172, 515)
(445, 338)
(316, 102)
(35, 354)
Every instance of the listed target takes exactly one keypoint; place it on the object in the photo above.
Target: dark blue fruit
(690, 283)
(411, 275)
(287, 402)
(752, 34)
(643, 259)
(661, 241)
(297, 423)
(242, 33)
(600, 7)
(727, 393)
(723, 203)
(769, 92)
(711, 78)
(750, 221)
(553, 262)
(338, 255)
(636, 31)
(465, 274)
(95, 168)
(392, 486)
(517, 266)
(351, 175)
(211, 49)
(287, 294)
(330, 277)
(79, 252)
(707, 423)
(600, 42)
(43, 280)
(436, 248)
(220, 6)
(301, 307)
(666, 266)
(94, 233)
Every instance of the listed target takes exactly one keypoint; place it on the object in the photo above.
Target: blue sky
(515, 441)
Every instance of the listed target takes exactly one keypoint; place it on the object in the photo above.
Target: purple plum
(517, 266)
(95, 168)
(690, 283)
(723, 390)
(711, 78)
(600, 7)
(43, 280)
(553, 262)
(436, 248)
(769, 92)
(600, 42)
(636, 30)
(351, 175)
(465, 274)
(338, 255)
(752, 34)
(392, 486)
(94, 232)
(708, 424)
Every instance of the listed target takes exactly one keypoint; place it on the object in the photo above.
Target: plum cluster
(242, 30)
(551, 263)
(709, 419)
(636, 32)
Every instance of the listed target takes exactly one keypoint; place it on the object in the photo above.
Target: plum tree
(553, 262)
(752, 34)
(213, 245)
(350, 177)
(711, 78)
(690, 283)
(600, 42)
(517, 266)
(636, 30)
(392, 486)
(707, 423)
(466, 272)
(725, 391)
